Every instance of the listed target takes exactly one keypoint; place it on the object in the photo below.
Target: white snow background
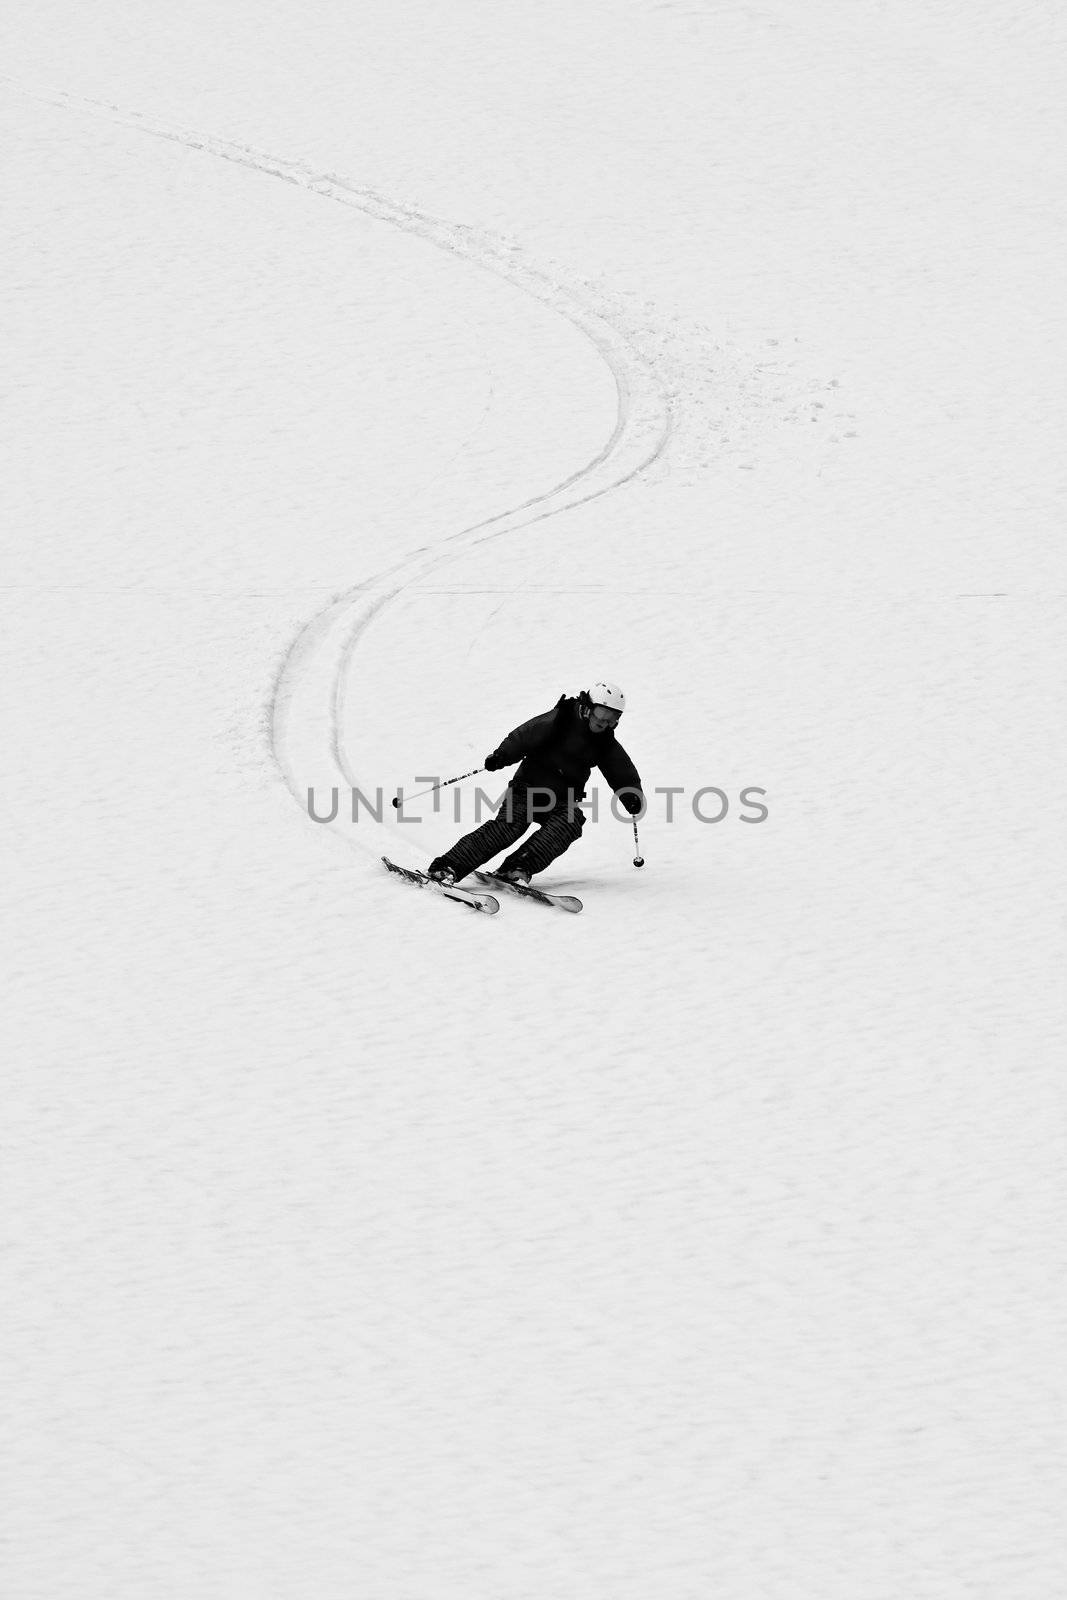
(373, 375)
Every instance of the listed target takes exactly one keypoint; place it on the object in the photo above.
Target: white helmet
(608, 694)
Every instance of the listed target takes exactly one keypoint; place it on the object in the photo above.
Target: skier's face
(601, 718)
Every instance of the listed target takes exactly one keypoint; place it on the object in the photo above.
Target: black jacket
(558, 752)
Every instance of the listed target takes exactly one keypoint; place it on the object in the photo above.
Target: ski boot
(519, 875)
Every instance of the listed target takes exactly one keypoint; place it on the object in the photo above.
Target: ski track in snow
(307, 701)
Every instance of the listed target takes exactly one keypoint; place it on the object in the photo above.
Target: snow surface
(373, 375)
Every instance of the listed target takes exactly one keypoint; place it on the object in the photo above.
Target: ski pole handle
(444, 783)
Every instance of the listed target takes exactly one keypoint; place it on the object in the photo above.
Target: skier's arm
(624, 779)
(522, 741)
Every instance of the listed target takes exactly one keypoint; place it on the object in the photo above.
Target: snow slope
(373, 377)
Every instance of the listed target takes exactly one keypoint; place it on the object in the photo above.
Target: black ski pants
(561, 823)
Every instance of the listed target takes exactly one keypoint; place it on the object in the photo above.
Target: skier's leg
(556, 834)
(478, 847)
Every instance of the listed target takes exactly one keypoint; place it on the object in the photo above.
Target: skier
(557, 751)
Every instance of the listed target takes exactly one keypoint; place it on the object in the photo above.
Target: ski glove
(492, 764)
(632, 800)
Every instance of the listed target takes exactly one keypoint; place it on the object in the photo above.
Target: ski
(565, 902)
(452, 891)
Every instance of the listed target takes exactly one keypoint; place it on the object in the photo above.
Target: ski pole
(639, 859)
(444, 783)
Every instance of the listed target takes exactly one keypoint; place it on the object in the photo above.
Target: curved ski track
(308, 696)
